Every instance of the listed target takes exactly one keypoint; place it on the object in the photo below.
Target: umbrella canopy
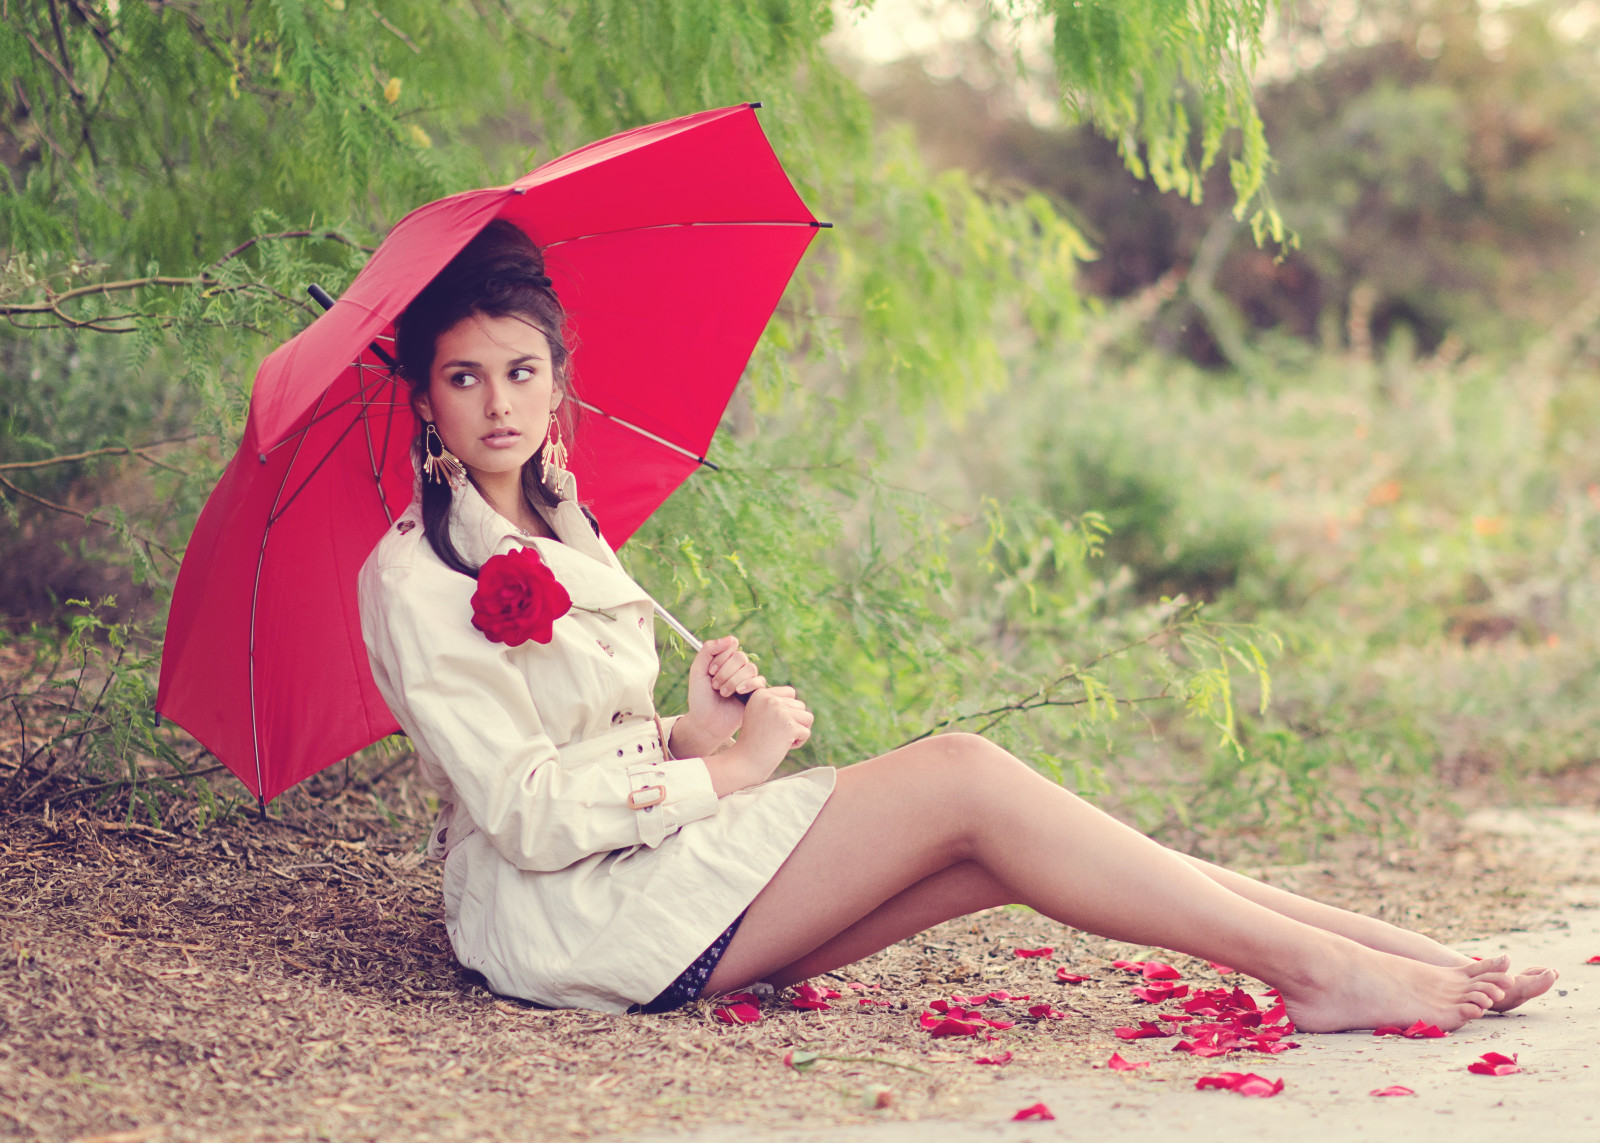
(669, 246)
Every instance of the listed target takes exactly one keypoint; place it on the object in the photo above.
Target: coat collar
(479, 532)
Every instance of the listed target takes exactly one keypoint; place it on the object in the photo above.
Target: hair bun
(502, 280)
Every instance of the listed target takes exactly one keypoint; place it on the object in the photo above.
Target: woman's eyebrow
(463, 364)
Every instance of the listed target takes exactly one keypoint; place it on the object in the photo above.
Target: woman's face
(491, 392)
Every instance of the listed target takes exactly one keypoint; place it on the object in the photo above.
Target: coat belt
(636, 741)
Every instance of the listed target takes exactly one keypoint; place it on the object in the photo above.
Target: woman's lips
(501, 439)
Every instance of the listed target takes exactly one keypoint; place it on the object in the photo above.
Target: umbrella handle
(687, 636)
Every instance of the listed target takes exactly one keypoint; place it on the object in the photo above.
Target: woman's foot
(1362, 988)
(1527, 984)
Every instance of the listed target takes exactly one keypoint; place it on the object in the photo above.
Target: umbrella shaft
(683, 632)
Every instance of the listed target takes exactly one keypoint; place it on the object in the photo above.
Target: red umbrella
(669, 245)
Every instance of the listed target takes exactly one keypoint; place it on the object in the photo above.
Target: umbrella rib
(353, 399)
(366, 431)
(277, 513)
(694, 456)
(677, 225)
(255, 601)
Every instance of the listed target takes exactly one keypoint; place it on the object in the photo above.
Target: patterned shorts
(691, 981)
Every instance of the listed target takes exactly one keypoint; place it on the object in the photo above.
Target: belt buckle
(656, 794)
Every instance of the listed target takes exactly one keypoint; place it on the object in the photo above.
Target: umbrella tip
(823, 225)
(754, 105)
(320, 296)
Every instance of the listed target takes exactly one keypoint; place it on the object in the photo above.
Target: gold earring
(555, 449)
(438, 462)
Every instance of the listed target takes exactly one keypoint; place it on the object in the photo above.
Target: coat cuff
(668, 793)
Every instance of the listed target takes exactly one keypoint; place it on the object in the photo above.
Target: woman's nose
(496, 399)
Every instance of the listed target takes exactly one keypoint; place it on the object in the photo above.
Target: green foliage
(1139, 69)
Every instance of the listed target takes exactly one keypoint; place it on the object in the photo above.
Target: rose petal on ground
(1066, 977)
(1494, 1064)
(740, 998)
(1128, 965)
(1037, 1111)
(1392, 1089)
(1144, 1031)
(799, 1060)
(940, 1006)
(999, 1061)
(810, 998)
(1221, 968)
(1160, 992)
(1174, 1018)
(1593, 960)
(1047, 951)
(1002, 996)
(1117, 1064)
(1421, 1031)
(1200, 1050)
(1245, 1083)
(742, 1013)
(1046, 1011)
(868, 1002)
(944, 1029)
(1155, 970)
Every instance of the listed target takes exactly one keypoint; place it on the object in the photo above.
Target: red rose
(518, 598)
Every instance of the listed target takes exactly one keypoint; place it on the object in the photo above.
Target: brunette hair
(500, 273)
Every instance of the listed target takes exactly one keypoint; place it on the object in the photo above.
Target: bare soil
(291, 979)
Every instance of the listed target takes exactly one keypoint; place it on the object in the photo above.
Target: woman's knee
(961, 765)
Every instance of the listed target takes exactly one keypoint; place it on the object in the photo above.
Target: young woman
(599, 856)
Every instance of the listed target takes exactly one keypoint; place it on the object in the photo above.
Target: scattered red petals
(1117, 1064)
(1160, 991)
(1593, 960)
(999, 1061)
(811, 997)
(1144, 1031)
(1066, 977)
(866, 1001)
(1245, 1083)
(1036, 952)
(1393, 1089)
(1221, 968)
(1417, 1031)
(1008, 996)
(857, 986)
(1155, 970)
(1174, 1018)
(1494, 1064)
(1046, 1012)
(1037, 1111)
(1128, 965)
(741, 1013)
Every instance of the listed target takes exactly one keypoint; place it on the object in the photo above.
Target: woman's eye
(463, 380)
(521, 373)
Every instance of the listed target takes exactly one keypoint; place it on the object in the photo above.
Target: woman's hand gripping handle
(775, 722)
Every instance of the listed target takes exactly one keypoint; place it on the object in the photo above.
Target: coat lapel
(582, 561)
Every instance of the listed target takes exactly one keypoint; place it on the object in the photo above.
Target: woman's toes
(1489, 964)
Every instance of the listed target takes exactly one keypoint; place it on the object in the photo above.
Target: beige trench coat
(554, 888)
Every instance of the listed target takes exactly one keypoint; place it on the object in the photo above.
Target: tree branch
(116, 450)
(54, 507)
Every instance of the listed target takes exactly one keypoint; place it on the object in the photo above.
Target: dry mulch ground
(289, 979)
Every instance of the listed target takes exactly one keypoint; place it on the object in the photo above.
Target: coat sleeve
(468, 710)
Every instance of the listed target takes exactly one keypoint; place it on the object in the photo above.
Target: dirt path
(257, 981)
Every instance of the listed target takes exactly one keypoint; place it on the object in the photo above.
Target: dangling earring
(555, 449)
(438, 462)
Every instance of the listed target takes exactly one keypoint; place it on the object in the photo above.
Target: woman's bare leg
(896, 821)
(1370, 931)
